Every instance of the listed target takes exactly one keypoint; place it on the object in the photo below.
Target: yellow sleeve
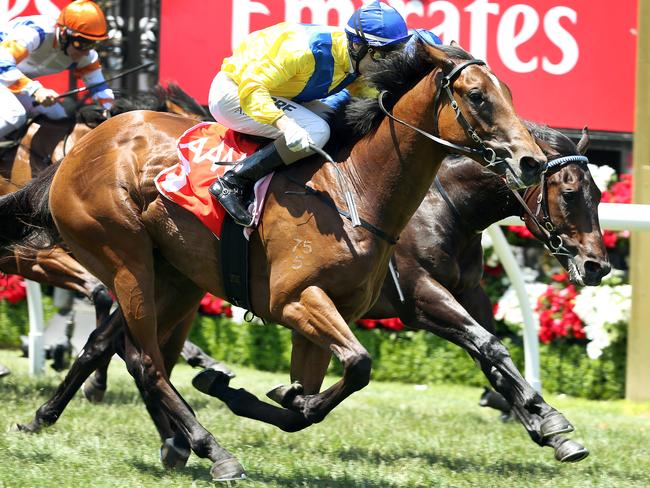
(269, 64)
(359, 88)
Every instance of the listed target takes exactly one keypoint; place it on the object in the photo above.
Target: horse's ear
(546, 148)
(437, 56)
(583, 144)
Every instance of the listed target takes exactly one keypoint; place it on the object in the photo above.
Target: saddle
(205, 152)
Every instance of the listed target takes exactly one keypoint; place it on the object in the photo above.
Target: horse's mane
(177, 95)
(92, 115)
(556, 139)
(397, 73)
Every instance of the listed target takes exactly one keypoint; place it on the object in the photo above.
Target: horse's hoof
(30, 428)
(570, 452)
(222, 368)
(208, 378)
(92, 392)
(227, 469)
(284, 395)
(173, 456)
(555, 424)
(4, 371)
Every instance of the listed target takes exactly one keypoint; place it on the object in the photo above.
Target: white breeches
(224, 106)
(16, 109)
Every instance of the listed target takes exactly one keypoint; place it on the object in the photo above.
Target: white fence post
(531, 341)
(36, 327)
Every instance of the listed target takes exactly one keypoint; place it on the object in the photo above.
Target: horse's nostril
(596, 268)
(529, 163)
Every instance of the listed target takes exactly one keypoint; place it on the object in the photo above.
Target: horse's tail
(25, 217)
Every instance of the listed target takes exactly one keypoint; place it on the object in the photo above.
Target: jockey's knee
(12, 120)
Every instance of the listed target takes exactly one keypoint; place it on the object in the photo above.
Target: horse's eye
(569, 196)
(476, 97)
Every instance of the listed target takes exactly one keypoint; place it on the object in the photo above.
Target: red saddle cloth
(201, 149)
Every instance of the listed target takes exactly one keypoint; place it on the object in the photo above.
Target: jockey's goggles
(82, 43)
(377, 54)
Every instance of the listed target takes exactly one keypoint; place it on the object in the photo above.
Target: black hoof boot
(570, 451)
(230, 191)
(555, 424)
(209, 380)
(284, 395)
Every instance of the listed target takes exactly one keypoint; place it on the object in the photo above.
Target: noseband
(445, 85)
(552, 238)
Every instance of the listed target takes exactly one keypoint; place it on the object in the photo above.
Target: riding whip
(95, 85)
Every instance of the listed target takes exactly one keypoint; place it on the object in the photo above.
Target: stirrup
(230, 197)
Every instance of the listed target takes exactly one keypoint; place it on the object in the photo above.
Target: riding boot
(232, 189)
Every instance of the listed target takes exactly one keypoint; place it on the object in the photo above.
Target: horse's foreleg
(97, 349)
(308, 366)
(315, 316)
(437, 311)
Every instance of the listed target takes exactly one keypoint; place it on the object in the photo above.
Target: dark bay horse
(145, 248)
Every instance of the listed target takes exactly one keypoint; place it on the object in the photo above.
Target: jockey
(271, 85)
(38, 45)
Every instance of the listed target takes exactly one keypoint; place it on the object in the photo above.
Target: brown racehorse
(47, 142)
(440, 263)
(146, 249)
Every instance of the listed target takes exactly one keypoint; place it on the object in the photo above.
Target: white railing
(612, 216)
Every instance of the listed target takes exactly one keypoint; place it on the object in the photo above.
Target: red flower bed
(391, 324)
(12, 288)
(556, 316)
(211, 305)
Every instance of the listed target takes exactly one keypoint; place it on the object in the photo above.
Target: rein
(446, 85)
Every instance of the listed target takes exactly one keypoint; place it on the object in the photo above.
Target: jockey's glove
(296, 138)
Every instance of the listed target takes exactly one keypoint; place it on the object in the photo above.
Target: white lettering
(449, 28)
(562, 39)
(478, 26)
(508, 40)
(407, 7)
(319, 10)
(241, 22)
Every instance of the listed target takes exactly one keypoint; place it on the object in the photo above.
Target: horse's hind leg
(97, 348)
(94, 387)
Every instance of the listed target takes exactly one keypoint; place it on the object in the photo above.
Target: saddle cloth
(202, 150)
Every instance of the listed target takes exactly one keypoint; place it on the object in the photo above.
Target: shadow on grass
(498, 466)
(196, 472)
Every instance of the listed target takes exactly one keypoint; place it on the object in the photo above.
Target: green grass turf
(388, 435)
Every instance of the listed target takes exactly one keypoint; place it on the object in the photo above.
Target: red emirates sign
(569, 63)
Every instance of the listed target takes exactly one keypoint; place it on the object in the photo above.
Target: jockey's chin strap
(552, 238)
(445, 85)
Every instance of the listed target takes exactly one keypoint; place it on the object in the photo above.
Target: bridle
(541, 217)
(445, 85)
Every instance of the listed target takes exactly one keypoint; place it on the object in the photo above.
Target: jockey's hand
(297, 138)
(46, 97)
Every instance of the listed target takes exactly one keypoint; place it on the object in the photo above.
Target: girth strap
(329, 202)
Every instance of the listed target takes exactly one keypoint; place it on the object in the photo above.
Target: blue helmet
(377, 25)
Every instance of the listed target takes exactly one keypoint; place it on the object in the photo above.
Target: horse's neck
(480, 197)
(391, 170)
